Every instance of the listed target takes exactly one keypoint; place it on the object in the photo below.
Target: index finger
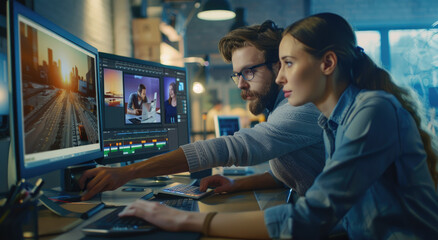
(90, 173)
(96, 185)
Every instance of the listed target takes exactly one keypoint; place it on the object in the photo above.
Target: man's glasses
(246, 73)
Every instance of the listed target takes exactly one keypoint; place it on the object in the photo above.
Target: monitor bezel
(134, 158)
(14, 10)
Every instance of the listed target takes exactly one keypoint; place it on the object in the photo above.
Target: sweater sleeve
(287, 129)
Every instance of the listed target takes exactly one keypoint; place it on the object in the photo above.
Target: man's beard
(261, 99)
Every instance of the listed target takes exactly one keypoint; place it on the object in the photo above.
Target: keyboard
(184, 190)
(135, 120)
(186, 204)
(112, 224)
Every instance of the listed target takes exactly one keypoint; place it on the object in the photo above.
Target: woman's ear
(329, 62)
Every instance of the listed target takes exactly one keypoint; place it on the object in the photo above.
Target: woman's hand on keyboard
(165, 217)
(220, 183)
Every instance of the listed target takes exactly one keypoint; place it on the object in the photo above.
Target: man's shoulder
(284, 108)
(289, 116)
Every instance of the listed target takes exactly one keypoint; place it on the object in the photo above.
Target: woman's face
(300, 73)
(171, 92)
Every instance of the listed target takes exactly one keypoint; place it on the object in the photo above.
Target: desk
(235, 202)
(155, 118)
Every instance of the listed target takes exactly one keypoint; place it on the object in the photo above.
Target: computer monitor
(225, 125)
(145, 108)
(55, 103)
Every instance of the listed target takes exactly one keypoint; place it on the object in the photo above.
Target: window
(414, 64)
(370, 42)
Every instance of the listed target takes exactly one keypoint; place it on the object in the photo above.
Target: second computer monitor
(145, 109)
(226, 125)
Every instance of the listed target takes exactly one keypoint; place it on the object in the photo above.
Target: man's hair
(141, 87)
(265, 37)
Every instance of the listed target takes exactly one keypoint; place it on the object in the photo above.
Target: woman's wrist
(192, 221)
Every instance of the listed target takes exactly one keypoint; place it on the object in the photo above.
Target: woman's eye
(288, 63)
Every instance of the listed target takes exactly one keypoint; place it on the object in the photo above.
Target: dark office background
(398, 34)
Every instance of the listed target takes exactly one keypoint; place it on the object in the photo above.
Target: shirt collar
(341, 109)
(280, 98)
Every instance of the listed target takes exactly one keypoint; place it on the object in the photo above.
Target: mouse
(133, 189)
(85, 184)
(162, 178)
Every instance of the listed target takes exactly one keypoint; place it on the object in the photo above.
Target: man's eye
(246, 71)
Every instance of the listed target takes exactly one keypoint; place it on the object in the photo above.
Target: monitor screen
(226, 125)
(145, 108)
(54, 95)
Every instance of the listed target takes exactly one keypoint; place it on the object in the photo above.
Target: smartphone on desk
(184, 190)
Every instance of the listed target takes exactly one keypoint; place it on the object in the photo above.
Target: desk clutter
(19, 214)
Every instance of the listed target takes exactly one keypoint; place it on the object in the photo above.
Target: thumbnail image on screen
(170, 102)
(113, 87)
(142, 95)
(58, 93)
(4, 102)
(4, 95)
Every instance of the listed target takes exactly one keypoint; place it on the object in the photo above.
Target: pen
(36, 189)
(93, 211)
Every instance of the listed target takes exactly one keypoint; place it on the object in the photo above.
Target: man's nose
(243, 84)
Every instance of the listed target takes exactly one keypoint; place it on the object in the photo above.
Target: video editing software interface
(145, 110)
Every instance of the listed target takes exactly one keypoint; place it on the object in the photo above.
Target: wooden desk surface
(235, 202)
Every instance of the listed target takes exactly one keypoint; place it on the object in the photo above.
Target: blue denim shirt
(375, 182)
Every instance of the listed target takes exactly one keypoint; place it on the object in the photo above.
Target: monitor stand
(70, 190)
(55, 208)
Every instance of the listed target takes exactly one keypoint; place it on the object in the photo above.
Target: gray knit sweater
(291, 139)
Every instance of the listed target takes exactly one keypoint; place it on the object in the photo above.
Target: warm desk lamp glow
(216, 10)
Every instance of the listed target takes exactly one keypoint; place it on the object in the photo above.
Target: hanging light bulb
(216, 10)
(198, 88)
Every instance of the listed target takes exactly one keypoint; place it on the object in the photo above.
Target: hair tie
(359, 52)
(207, 221)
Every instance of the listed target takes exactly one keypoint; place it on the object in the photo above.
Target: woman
(380, 176)
(170, 104)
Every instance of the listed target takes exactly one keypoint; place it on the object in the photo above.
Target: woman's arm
(248, 225)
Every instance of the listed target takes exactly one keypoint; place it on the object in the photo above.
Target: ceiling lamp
(240, 20)
(216, 10)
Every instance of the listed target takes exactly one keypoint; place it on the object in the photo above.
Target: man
(136, 100)
(290, 133)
